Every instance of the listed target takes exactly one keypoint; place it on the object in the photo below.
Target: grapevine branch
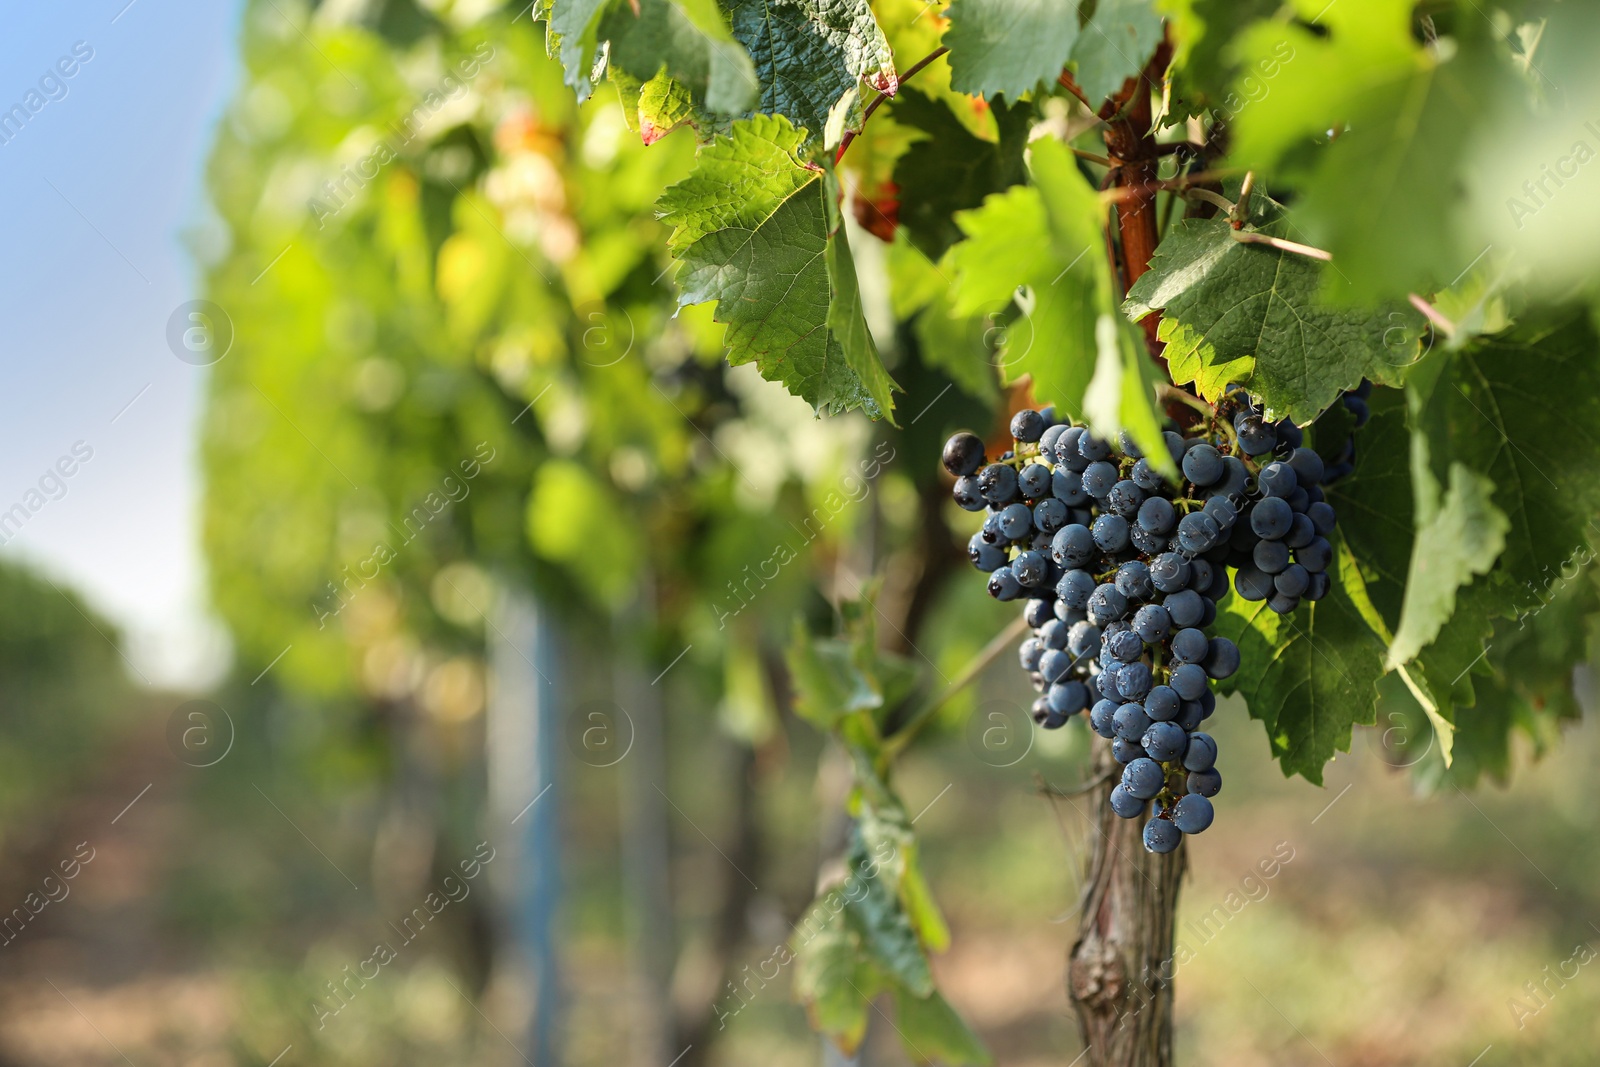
(877, 101)
(902, 737)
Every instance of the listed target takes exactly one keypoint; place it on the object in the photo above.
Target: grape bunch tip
(1121, 571)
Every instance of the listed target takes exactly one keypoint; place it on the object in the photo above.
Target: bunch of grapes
(1122, 570)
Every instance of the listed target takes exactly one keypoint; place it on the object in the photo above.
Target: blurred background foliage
(458, 382)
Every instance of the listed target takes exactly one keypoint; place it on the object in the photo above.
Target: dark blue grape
(1015, 522)
(1301, 532)
(968, 496)
(1111, 533)
(1190, 646)
(1271, 518)
(1293, 582)
(1067, 485)
(1320, 584)
(1223, 658)
(1030, 569)
(1202, 753)
(1169, 572)
(1106, 604)
(1283, 605)
(1191, 713)
(1003, 585)
(1158, 515)
(1256, 435)
(1133, 681)
(1054, 664)
(1054, 632)
(1253, 583)
(1290, 435)
(1068, 449)
(1049, 515)
(1092, 448)
(1037, 612)
(1270, 557)
(986, 557)
(1189, 680)
(1075, 588)
(1106, 681)
(1277, 479)
(998, 483)
(1147, 477)
(1133, 580)
(1322, 516)
(1040, 712)
(1100, 717)
(1161, 837)
(1035, 481)
(1176, 446)
(1192, 814)
(1083, 638)
(1162, 703)
(1027, 425)
(1143, 778)
(1234, 481)
(1145, 542)
(1125, 499)
(1152, 623)
(963, 454)
(1028, 654)
(1164, 741)
(1223, 512)
(1125, 751)
(1072, 546)
(1307, 466)
(1205, 783)
(1202, 464)
(1098, 478)
(1128, 446)
(1124, 646)
(1131, 721)
(1200, 574)
(1068, 698)
(1125, 804)
(1186, 607)
(1358, 407)
(1198, 532)
(1049, 439)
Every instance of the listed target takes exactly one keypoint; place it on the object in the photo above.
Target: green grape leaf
(951, 170)
(832, 978)
(756, 230)
(1407, 113)
(1524, 411)
(875, 863)
(1009, 47)
(932, 1032)
(688, 40)
(809, 53)
(1460, 533)
(1069, 337)
(1243, 312)
(1310, 676)
(1114, 45)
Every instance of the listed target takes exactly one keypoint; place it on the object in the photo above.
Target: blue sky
(98, 189)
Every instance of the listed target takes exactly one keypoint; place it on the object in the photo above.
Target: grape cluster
(1122, 570)
(1355, 402)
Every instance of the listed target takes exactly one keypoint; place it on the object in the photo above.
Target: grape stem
(877, 101)
(896, 743)
(1251, 237)
(1183, 396)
